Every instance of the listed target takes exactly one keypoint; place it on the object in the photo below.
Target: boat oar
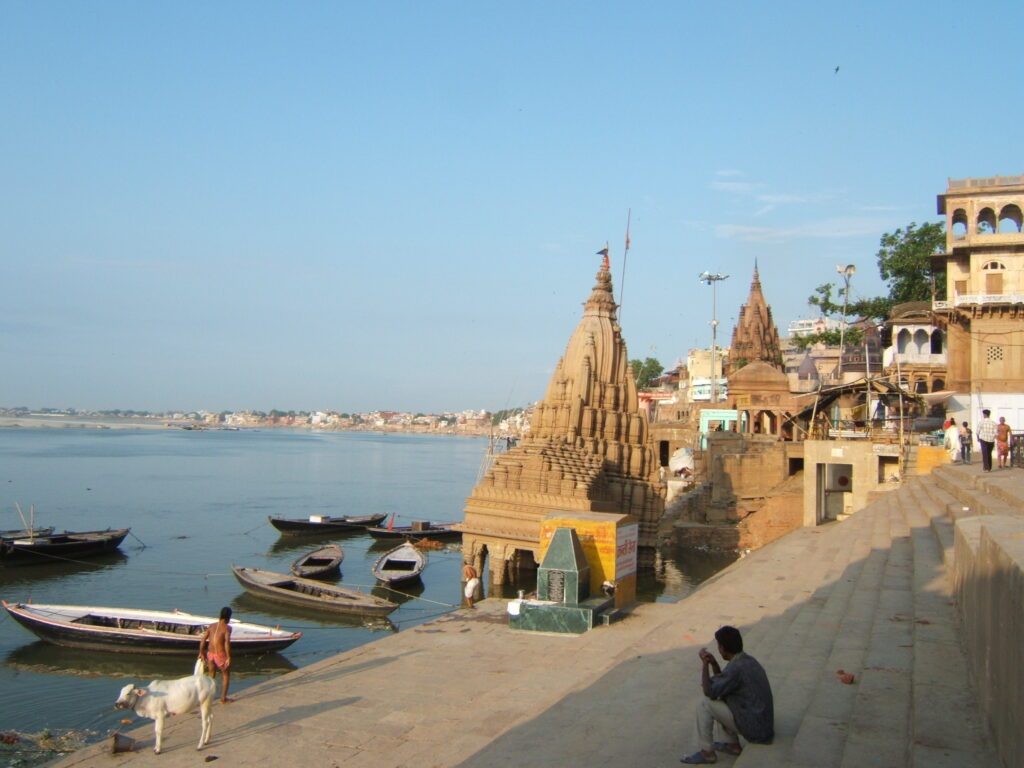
(24, 522)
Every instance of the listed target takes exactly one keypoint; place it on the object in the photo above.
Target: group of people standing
(991, 437)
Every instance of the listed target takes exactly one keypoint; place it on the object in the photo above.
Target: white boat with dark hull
(401, 565)
(130, 630)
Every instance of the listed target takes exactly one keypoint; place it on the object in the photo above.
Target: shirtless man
(472, 580)
(218, 638)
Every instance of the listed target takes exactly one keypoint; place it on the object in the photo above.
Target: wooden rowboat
(325, 523)
(130, 629)
(401, 565)
(57, 547)
(320, 562)
(292, 590)
(418, 530)
(25, 533)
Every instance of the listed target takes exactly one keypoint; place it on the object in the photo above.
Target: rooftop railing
(989, 181)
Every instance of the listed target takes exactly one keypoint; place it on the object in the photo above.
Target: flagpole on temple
(625, 253)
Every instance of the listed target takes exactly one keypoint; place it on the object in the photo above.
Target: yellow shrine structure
(588, 450)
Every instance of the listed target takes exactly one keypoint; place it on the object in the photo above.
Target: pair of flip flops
(699, 758)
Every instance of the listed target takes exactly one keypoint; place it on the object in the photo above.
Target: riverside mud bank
(869, 595)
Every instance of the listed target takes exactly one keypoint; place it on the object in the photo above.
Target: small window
(959, 287)
(994, 265)
(994, 282)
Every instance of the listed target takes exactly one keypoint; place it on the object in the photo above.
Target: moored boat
(129, 629)
(26, 533)
(402, 565)
(283, 588)
(325, 523)
(420, 529)
(320, 562)
(69, 545)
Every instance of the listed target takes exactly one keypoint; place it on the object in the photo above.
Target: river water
(198, 501)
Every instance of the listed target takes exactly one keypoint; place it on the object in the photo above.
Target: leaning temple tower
(588, 451)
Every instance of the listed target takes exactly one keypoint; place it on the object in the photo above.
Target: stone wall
(988, 578)
(747, 525)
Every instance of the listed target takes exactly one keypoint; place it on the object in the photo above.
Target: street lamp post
(847, 272)
(712, 280)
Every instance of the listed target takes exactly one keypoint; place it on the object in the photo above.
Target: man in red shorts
(215, 650)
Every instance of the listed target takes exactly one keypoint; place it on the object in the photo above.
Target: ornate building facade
(984, 303)
(588, 451)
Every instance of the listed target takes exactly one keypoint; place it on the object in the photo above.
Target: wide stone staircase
(872, 596)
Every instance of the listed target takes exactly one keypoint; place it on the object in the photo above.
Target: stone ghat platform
(870, 595)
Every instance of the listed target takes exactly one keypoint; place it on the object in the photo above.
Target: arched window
(1010, 219)
(902, 340)
(936, 342)
(921, 341)
(959, 223)
(938, 385)
(921, 386)
(994, 277)
(986, 221)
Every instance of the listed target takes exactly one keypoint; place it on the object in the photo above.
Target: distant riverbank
(45, 421)
(77, 422)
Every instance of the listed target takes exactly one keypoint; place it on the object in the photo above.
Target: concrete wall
(863, 457)
(988, 579)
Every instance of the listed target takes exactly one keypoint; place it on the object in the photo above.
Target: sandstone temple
(588, 450)
(755, 337)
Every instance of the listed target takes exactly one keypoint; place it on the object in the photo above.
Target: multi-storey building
(984, 301)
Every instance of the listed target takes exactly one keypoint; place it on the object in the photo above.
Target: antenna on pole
(625, 253)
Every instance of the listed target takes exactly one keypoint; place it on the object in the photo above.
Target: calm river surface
(199, 501)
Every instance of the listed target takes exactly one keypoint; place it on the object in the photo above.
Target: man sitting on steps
(738, 698)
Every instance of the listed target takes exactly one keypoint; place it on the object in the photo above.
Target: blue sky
(396, 205)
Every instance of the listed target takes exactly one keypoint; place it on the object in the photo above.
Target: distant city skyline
(362, 207)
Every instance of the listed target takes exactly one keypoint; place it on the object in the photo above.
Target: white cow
(172, 697)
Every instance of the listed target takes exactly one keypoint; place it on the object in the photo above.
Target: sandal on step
(698, 758)
(728, 747)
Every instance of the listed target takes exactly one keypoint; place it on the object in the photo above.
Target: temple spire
(755, 337)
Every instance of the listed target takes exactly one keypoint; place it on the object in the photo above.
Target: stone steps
(810, 723)
(887, 615)
(968, 486)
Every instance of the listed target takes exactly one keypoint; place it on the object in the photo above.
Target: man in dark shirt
(738, 698)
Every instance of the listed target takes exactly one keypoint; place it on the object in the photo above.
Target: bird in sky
(836, 72)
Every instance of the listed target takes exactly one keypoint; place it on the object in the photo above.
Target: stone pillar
(498, 555)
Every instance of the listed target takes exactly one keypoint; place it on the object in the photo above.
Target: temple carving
(588, 450)
(755, 337)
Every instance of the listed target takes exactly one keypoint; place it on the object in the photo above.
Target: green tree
(646, 372)
(904, 262)
(853, 337)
